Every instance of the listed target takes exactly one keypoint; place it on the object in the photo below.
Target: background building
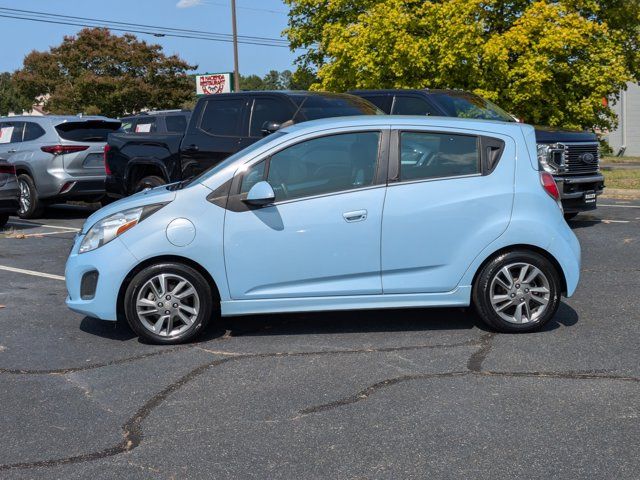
(628, 132)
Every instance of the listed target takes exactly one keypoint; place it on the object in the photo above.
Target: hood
(148, 197)
(556, 135)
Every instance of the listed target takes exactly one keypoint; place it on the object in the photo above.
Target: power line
(158, 31)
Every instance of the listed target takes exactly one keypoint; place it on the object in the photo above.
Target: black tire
(4, 218)
(33, 207)
(570, 216)
(204, 312)
(150, 181)
(482, 292)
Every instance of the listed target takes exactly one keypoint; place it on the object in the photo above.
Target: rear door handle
(13, 150)
(192, 148)
(355, 216)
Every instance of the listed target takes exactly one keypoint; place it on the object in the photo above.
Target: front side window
(411, 105)
(468, 105)
(425, 155)
(268, 110)
(222, 117)
(11, 132)
(318, 166)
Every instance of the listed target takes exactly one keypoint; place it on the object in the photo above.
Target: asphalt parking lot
(369, 394)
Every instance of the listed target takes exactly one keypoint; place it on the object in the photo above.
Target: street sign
(212, 83)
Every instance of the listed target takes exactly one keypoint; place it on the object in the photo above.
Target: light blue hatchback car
(337, 214)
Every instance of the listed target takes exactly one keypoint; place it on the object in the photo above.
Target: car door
(321, 236)
(449, 197)
(215, 135)
(10, 138)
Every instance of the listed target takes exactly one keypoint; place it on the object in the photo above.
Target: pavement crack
(591, 375)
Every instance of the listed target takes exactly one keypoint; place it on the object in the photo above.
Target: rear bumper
(82, 188)
(579, 192)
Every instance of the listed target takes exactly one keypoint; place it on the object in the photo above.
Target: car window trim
(235, 203)
(395, 156)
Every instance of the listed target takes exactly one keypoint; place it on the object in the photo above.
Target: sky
(263, 18)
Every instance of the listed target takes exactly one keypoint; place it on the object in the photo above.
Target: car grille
(581, 158)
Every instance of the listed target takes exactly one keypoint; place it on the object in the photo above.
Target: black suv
(572, 157)
(219, 126)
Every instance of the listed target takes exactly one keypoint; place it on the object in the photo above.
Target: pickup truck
(219, 126)
(572, 157)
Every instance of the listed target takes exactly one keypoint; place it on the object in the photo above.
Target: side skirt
(460, 297)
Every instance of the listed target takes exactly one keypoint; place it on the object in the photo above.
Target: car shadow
(68, 211)
(584, 220)
(331, 323)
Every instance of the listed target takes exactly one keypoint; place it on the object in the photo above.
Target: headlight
(110, 227)
(551, 157)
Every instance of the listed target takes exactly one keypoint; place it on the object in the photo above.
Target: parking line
(28, 224)
(31, 272)
(619, 206)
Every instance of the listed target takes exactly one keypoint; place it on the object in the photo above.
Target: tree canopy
(548, 62)
(11, 100)
(96, 72)
(301, 79)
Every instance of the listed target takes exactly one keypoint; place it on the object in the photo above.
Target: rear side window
(268, 110)
(383, 102)
(32, 131)
(222, 117)
(89, 131)
(176, 123)
(146, 125)
(410, 105)
(425, 155)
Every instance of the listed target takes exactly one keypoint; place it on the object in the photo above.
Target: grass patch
(628, 179)
(620, 160)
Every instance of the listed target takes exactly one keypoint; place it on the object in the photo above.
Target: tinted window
(222, 117)
(317, 106)
(176, 123)
(410, 105)
(89, 131)
(467, 105)
(268, 110)
(322, 165)
(32, 131)
(383, 102)
(433, 155)
(146, 125)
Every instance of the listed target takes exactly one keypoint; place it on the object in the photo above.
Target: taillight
(6, 168)
(106, 149)
(549, 185)
(62, 149)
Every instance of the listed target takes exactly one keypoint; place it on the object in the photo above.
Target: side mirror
(270, 127)
(260, 194)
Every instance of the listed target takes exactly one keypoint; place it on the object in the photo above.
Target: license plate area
(590, 197)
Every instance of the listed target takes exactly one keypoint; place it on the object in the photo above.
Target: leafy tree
(10, 99)
(548, 62)
(251, 82)
(96, 72)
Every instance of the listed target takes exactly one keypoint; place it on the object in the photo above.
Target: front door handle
(355, 216)
(192, 148)
(13, 150)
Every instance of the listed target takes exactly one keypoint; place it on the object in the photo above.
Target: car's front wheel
(517, 291)
(168, 303)
(30, 204)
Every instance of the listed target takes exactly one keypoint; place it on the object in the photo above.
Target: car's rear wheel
(4, 218)
(517, 291)
(168, 303)
(150, 181)
(30, 204)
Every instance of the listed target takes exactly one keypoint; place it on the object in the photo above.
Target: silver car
(57, 158)
(9, 192)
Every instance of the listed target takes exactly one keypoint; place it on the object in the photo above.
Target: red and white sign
(213, 83)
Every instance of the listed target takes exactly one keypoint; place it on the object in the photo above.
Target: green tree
(96, 72)
(549, 62)
(10, 98)
(251, 82)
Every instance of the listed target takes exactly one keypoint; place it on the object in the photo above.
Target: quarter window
(222, 117)
(433, 155)
(318, 166)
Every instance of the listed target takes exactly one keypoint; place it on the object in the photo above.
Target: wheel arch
(161, 259)
(524, 246)
(140, 167)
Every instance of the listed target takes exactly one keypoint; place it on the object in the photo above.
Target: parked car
(220, 126)
(572, 157)
(9, 192)
(56, 157)
(337, 214)
(158, 121)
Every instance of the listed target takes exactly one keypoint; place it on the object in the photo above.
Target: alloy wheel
(25, 197)
(520, 293)
(167, 304)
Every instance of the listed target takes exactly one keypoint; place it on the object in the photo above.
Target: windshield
(313, 107)
(229, 160)
(468, 105)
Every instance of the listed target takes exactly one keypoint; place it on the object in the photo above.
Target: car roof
(58, 118)
(425, 91)
(286, 93)
(402, 121)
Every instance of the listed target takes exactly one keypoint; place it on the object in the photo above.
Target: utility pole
(236, 71)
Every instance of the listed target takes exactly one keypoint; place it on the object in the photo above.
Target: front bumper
(9, 201)
(113, 262)
(579, 192)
